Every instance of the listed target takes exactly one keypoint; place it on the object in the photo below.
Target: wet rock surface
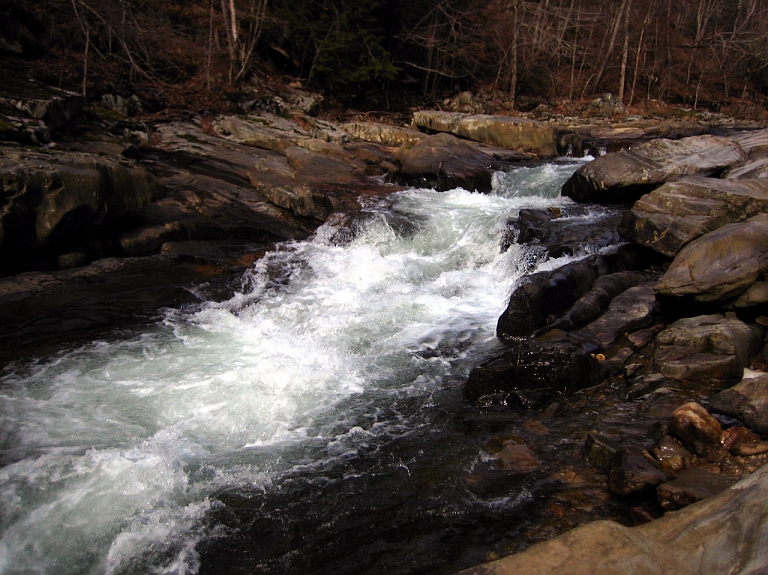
(747, 400)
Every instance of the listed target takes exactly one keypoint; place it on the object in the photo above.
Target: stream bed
(314, 422)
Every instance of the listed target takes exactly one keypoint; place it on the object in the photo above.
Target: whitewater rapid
(113, 452)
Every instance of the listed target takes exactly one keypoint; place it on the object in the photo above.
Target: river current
(243, 435)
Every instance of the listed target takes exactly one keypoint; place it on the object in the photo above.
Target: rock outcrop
(623, 177)
(727, 265)
(723, 534)
(507, 132)
(672, 216)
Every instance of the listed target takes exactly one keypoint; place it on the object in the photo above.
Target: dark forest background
(382, 54)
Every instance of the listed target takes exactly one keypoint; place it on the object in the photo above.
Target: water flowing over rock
(507, 132)
(747, 400)
(444, 162)
(706, 348)
(727, 264)
(623, 177)
(672, 216)
(723, 534)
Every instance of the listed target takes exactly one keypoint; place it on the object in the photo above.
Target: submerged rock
(729, 264)
(623, 177)
(558, 364)
(706, 348)
(677, 213)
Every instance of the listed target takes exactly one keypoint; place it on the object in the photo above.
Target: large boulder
(677, 213)
(444, 162)
(49, 201)
(723, 534)
(706, 348)
(747, 400)
(623, 177)
(728, 264)
(507, 132)
(546, 295)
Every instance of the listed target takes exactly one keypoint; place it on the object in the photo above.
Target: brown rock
(623, 177)
(518, 458)
(691, 424)
(671, 454)
(733, 437)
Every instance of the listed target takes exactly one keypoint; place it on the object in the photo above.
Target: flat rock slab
(747, 400)
(623, 177)
(690, 486)
(677, 213)
(504, 131)
(723, 534)
(706, 348)
(383, 134)
(727, 264)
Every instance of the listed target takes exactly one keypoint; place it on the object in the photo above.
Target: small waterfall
(114, 453)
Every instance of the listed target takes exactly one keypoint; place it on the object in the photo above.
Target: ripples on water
(113, 454)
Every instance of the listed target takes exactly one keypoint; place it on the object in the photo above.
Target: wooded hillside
(380, 53)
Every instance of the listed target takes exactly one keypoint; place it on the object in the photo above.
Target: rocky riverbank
(106, 218)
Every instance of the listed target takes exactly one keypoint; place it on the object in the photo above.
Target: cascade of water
(112, 453)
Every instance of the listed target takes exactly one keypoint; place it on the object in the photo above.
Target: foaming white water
(113, 451)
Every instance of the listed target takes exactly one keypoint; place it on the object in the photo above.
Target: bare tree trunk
(625, 52)
(611, 44)
(513, 79)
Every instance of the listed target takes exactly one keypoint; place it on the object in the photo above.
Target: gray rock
(677, 213)
(722, 534)
(690, 486)
(706, 348)
(623, 177)
(504, 131)
(444, 162)
(547, 295)
(747, 400)
(727, 264)
(633, 309)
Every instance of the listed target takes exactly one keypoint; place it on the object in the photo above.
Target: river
(311, 423)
